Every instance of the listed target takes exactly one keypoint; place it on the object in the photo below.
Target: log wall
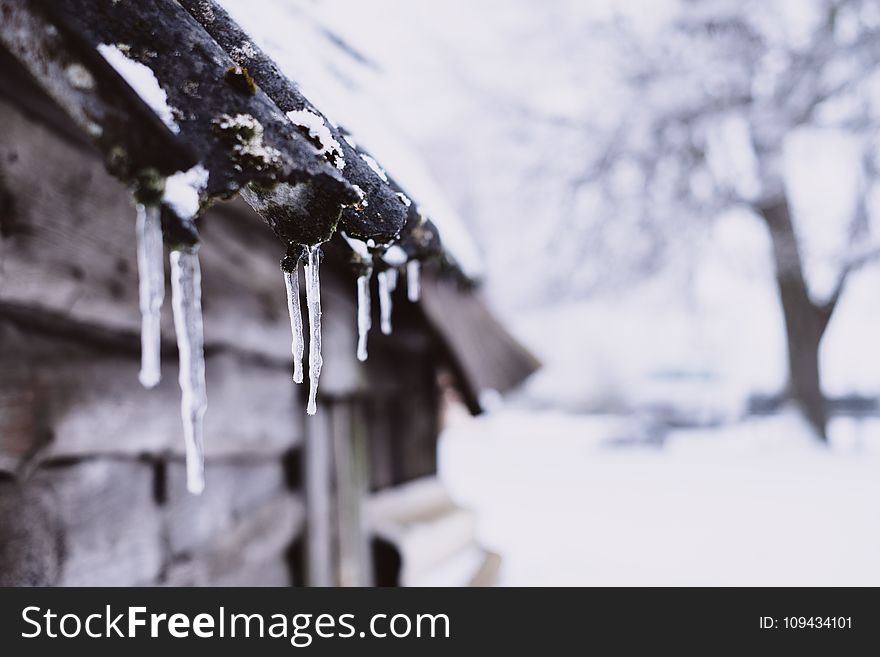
(91, 464)
(92, 484)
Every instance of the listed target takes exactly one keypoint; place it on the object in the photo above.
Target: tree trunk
(805, 321)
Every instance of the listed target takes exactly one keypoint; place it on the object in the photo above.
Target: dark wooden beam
(384, 213)
(95, 99)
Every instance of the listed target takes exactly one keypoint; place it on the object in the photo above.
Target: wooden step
(435, 538)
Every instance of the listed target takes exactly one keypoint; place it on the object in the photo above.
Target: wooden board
(62, 399)
(484, 354)
(68, 249)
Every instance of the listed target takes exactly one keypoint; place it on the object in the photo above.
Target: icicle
(151, 287)
(364, 316)
(186, 302)
(297, 346)
(392, 280)
(413, 288)
(385, 301)
(313, 299)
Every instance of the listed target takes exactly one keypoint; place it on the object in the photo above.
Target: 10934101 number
(817, 622)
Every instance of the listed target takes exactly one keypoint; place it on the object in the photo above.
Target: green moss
(264, 186)
(118, 161)
(239, 79)
(149, 186)
(244, 135)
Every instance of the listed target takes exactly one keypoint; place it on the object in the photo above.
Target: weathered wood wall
(92, 488)
(91, 471)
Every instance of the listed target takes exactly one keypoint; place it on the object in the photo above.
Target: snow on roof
(183, 190)
(142, 79)
(318, 131)
(335, 78)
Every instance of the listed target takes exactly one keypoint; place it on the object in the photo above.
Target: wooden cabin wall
(376, 426)
(402, 422)
(91, 470)
(92, 484)
(394, 397)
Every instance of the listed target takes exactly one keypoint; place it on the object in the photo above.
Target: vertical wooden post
(319, 492)
(361, 484)
(336, 483)
(376, 422)
(353, 566)
(346, 566)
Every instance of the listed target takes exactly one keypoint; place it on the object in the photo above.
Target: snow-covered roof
(186, 126)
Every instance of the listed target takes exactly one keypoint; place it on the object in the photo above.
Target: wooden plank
(60, 398)
(383, 214)
(375, 414)
(96, 101)
(353, 565)
(202, 85)
(234, 489)
(30, 530)
(318, 464)
(110, 522)
(68, 248)
(251, 552)
(433, 536)
(22, 429)
(484, 354)
(361, 487)
(345, 515)
(415, 414)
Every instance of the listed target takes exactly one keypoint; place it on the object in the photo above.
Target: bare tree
(713, 98)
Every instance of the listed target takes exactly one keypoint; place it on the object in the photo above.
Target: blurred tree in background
(714, 97)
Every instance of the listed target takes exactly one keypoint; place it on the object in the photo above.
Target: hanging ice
(313, 300)
(385, 289)
(392, 280)
(364, 314)
(151, 288)
(413, 287)
(186, 302)
(297, 346)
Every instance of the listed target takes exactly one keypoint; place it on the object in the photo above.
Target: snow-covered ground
(755, 503)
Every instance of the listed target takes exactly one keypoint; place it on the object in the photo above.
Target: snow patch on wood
(142, 80)
(375, 166)
(320, 133)
(183, 191)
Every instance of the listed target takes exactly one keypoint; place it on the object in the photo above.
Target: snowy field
(565, 501)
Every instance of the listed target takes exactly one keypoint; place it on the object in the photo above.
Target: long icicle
(297, 345)
(151, 289)
(364, 313)
(385, 301)
(413, 286)
(186, 302)
(313, 300)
